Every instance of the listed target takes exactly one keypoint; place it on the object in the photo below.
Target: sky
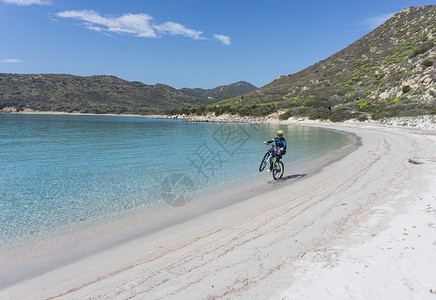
(184, 43)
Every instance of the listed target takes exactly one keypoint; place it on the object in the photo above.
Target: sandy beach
(364, 227)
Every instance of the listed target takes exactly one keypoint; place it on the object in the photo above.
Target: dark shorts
(280, 153)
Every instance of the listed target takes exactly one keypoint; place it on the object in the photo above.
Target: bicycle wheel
(264, 162)
(278, 170)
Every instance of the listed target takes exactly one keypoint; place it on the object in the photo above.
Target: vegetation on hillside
(100, 94)
(221, 92)
(389, 72)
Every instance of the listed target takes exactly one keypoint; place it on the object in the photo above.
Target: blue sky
(182, 43)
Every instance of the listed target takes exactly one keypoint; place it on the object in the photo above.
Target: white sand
(363, 228)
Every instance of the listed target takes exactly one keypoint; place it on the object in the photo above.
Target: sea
(62, 171)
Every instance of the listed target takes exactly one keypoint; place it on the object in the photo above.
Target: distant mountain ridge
(221, 92)
(102, 94)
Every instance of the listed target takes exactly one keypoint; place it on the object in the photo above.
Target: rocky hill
(101, 94)
(389, 72)
(222, 92)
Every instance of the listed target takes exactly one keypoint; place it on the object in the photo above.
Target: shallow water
(58, 171)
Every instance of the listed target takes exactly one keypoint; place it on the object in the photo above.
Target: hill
(221, 92)
(100, 94)
(388, 72)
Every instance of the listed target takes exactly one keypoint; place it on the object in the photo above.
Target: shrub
(200, 110)
(319, 113)
(301, 111)
(262, 110)
(317, 102)
(285, 115)
(427, 63)
(283, 104)
(406, 88)
(296, 112)
(395, 101)
(246, 110)
(379, 76)
(412, 108)
(422, 50)
(343, 114)
(222, 109)
(417, 52)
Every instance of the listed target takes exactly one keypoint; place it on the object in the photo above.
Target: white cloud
(375, 21)
(135, 24)
(178, 29)
(95, 28)
(11, 61)
(28, 2)
(139, 25)
(223, 39)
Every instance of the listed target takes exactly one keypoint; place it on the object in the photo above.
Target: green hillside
(222, 92)
(100, 94)
(389, 72)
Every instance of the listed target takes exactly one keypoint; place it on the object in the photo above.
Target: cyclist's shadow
(289, 177)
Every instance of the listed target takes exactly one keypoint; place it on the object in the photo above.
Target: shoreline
(61, 113)
(265, 246)
(424, 122)
(90, 238)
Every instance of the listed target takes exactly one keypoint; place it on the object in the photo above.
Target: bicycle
(277, 166)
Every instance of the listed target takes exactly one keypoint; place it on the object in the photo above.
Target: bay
(59, 171)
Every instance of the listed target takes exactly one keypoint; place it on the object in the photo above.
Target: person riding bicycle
(281, 146)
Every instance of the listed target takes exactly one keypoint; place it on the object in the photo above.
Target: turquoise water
(62, 170)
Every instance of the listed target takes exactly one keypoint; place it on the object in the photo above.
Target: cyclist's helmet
(280, 132)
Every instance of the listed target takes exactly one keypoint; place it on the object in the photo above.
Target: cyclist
(281, 147)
